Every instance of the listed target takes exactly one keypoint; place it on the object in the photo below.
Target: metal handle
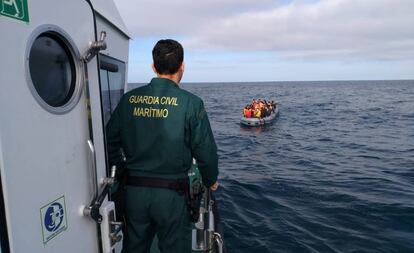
(103, 36)
(203, 234)
(92, 155)
(115, 236)
(219, 242)
(93, 209)
(95, 47)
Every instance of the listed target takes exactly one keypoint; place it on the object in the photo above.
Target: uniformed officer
(160, 128)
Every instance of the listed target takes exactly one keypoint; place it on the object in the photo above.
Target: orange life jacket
(248, 113)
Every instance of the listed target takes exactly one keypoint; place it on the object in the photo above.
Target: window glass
(112, 83)
(116, 81)
(105, 95)
(52, 69)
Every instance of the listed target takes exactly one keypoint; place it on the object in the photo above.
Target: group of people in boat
(259, 109)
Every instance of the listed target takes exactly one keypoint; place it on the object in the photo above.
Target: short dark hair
(168, 55)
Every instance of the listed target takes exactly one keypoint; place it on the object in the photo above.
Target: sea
(333, 173)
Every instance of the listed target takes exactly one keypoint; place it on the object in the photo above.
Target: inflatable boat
(260, 121)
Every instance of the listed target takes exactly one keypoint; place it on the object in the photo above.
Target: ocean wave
(333, 173)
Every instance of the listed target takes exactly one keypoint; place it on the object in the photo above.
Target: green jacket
(160, 128)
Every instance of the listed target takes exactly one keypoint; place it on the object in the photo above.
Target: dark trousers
(156, 211)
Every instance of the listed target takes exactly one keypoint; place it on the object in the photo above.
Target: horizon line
(287, 81)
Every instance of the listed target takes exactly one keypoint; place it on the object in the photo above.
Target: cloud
(180, 17)
(325, 29)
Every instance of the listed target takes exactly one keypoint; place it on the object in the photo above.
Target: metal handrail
(219, 241)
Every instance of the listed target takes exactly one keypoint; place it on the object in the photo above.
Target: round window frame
(74, 55)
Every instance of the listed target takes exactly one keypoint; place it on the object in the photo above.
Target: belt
(179, 185)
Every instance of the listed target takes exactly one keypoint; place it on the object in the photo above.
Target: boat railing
(205, 238)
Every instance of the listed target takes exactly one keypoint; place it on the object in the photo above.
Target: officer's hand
(214, 186)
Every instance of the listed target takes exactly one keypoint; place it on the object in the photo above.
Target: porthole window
(53, 70)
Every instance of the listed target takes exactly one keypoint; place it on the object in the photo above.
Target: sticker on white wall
(53, 219)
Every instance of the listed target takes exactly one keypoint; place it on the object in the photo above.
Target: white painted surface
(108, 9)
(44, 155)
(117, 44)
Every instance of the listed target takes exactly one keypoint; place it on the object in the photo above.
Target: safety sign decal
(16, 9)
(53, 218)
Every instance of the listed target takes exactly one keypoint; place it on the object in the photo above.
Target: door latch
(111, 230)
(93, 209)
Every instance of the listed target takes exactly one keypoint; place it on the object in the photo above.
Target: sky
(275, 40)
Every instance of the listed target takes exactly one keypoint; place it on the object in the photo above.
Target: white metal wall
(40, 162)
(26, 178)
(117, 42)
